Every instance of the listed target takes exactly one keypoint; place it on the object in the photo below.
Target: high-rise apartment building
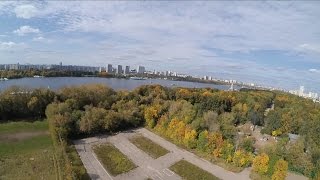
(109, 68)
(127, 70)
(119, 70)
(141, 69)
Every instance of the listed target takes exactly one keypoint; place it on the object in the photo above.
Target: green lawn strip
(15, 127)
(41, 142)
(112, 159)
(148, 146)
(189, 171)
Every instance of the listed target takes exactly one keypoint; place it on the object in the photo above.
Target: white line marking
(159, 176)
(102, 166)
(168, 172)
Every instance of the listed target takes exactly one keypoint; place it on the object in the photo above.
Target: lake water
(55, 83)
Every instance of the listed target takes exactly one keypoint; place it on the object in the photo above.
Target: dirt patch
(12, 137)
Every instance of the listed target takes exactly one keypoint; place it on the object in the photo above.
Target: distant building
(13, 66)
(119, 70)
(141, 69)
(301, 91)
(127, 70)
(109, 68)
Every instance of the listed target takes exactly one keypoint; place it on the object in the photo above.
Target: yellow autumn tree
(176, 130)
(207, 94)
(183, 93)
(260, 163)
(280, 170)
(215, 143)
(150, 114)
(190, 136)
(242, 158)
(171, 127)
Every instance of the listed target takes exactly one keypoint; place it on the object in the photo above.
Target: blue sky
(270, 43)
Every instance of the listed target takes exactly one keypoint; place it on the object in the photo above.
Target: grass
(189, 171)
(27, 158)
(218, 161)
(148, 146)
(113, 160)
(15, 127)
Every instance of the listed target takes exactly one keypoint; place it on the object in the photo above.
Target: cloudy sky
(270, 43)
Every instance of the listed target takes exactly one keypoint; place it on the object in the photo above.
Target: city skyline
(127, 70)
(279, 47)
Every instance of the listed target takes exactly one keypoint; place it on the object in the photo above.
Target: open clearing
(112, 159)
(148, 146)
(189, 171)
(26, 151)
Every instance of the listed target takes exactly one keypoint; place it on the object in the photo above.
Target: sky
(272, 43)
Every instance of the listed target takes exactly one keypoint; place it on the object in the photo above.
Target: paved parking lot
(148, 167)
(157, 169)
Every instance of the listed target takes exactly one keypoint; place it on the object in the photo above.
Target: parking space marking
(156, 176)
(168, 172)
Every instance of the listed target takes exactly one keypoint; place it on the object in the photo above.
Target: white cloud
(42, 39)
(23, 30)
(314, 70)
(310, 47)
(25, 11)
(9, 46)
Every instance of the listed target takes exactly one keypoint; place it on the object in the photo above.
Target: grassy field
(189, 171)
(112, 159)
(148, 146)
(26, 151)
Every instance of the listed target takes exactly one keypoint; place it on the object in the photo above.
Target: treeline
(22, 103)
(204, 120)
(15, 74)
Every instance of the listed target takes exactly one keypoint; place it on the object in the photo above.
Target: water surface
(55, 83)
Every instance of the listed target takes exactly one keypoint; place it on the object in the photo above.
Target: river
(55, 83)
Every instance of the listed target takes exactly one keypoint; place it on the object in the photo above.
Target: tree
(93, 119)
(150, 115)
(261, 163)
(247, 144)
(242, 158)
(182, 110)
(210, 119)
(190, 136)
(202, 140)
(280, 170)
(227, 125)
